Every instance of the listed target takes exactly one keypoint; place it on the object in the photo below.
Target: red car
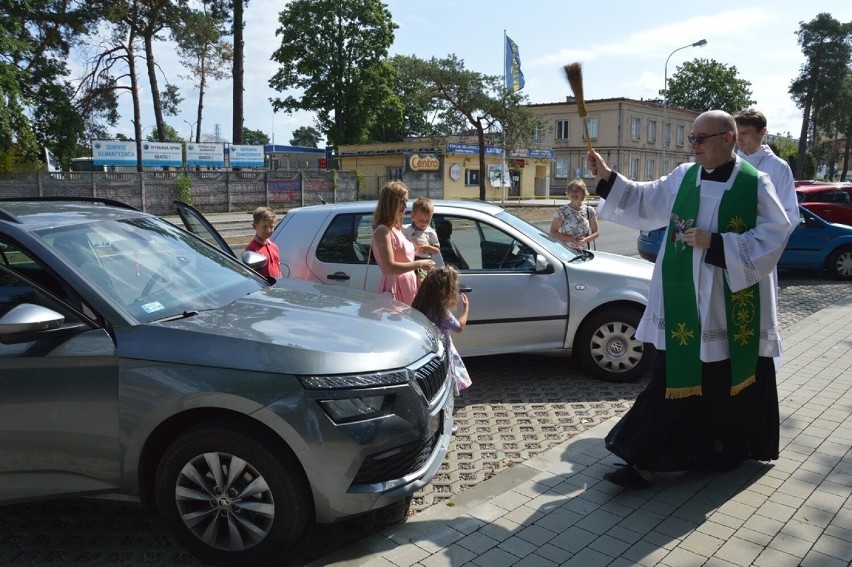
(831, 201)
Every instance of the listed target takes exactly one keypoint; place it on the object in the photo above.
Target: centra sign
(424, 162)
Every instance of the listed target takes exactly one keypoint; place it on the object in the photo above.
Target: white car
(528, 292)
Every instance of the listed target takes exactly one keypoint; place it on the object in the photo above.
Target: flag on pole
(514, 75)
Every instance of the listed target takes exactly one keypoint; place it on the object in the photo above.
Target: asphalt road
(519, 406)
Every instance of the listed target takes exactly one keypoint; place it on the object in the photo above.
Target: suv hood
(293, 328)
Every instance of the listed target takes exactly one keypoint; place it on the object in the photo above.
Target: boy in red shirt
(263, 224)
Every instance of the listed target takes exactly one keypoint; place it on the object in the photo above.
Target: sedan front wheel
(230, 499)
(607, 347)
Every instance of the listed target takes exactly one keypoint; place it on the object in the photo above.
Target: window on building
(561, 129)
(537, 133)
(592, 124)
(667, 133)
(634, 168)
(649, 169)
(652, 130)
(560, 171)
(635, 128)
(471, 177)
(394, 173)
(680, 135)
(666, 169)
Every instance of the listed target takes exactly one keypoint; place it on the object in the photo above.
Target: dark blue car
(814, 245)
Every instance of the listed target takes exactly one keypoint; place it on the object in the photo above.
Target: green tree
(468, 100)
(706, 84)
(37, 102)
(204, 53)
(254, 137)
(827, 47)
(410, 111)
(170, 134)
(335, 52)
(306, 137)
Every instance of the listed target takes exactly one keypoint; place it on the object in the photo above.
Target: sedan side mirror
(542, 266)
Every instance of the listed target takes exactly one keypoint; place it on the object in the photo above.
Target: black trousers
(714, 430)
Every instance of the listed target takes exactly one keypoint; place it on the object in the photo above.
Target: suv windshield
(152, 268)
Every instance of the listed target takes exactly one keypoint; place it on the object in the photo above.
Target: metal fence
(211, 191)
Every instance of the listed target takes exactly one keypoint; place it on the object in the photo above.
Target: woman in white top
(576, 223)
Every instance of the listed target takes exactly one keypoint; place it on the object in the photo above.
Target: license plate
(644, 233)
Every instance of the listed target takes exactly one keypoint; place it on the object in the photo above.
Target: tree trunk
(134, 94)
(155, 90)
(239, 55)
(846, 150)
(202, 86)
(483, 173)
(803, 139)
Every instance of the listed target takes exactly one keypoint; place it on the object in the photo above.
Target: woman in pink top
(394, 253)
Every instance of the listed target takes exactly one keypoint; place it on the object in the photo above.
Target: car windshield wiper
(582, 254)
(184, 315)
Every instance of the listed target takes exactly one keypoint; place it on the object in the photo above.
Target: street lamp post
(191, 126)
(699, 43)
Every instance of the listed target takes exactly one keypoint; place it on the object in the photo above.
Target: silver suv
(136, 358)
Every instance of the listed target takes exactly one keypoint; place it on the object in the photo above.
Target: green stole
(737, 213)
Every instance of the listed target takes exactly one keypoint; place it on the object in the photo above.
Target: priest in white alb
(711, 314)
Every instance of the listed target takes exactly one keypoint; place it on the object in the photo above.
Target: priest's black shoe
(627, 477)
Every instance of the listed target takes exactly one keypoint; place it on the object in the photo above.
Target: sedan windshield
(151, 268)
(542, 236)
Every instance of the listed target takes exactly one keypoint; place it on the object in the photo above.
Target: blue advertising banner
(164, 154)
(112, 152)
(246, 156)
(205, 155)
(471, 149)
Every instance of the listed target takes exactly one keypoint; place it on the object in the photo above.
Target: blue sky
(623, 46)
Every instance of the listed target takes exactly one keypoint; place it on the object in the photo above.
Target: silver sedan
(528, 292)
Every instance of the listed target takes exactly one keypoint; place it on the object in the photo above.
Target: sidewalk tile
(813, 516)
(477, 543)
(817, 559)
(774, 558)
(645, 553)
(553, 553)
(573, 539)
(518, 547)
(609, 546)
(449, 557)
(587, 557)
(790, 544)
(834, 547)
(680, 557)
(701, 543)
(739, 551)
(538, 535)
(495, 558)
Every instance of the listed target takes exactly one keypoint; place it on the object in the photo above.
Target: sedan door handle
(338, 276)
(465, 289)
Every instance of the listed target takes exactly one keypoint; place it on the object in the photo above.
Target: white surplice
(765, 160)
(750, 257)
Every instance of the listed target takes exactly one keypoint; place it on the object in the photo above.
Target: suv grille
(409, 458)
(431, 376)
